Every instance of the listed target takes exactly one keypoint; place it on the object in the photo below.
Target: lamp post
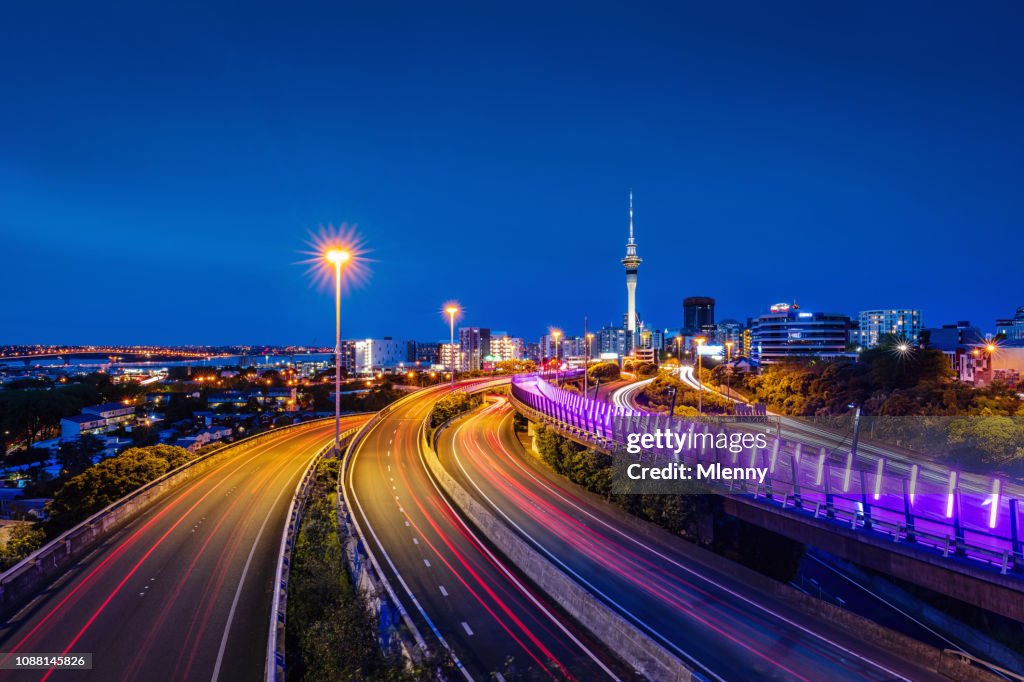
(557, 335)
(451, 310)
(728, 368)
(337, 257)
(586, 361)
(700, 384)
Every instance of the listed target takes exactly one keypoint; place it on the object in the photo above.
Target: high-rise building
(505, 347)
(612, 339)
(445, 351)
(374, 354)
(474, 344)
(698, 314)
(424, 352)
(873, 325)
(632, 264)
(791, 334)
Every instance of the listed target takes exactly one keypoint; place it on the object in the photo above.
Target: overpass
(936, 533)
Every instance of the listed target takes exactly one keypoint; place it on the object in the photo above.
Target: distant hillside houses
(97, 419)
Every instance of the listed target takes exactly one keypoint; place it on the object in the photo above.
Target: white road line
(444, 592)
(415, 541)
(426, 562)
(401, 580)
(508, 574)
(241, 582)
(701, 576)
(465, 626)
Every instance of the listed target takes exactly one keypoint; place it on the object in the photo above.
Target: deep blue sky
(160, 168)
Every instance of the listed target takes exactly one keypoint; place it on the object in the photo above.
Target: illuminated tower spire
(632, 264)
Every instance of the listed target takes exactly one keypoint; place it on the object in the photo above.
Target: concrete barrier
(643, 654)
(275, 659)
(23, 580)
(949, 663)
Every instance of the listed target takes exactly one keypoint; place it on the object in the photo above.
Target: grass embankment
(331, 631)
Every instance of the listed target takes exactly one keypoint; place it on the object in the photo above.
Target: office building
(698, 315)
(372, 355)
(474, 345)
(505, 347)
(790, 334)
(874, 325)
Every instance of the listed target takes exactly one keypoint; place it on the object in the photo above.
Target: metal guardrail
(976, 662)
(57, 554)
(275, 659)
(813, 486)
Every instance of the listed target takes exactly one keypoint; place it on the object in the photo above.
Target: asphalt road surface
(460, 593)
(724, 628)
(184, 591)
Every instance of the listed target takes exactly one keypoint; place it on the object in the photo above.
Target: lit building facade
(789, 334)
(873, 325)
(376, 354)
(698, 314)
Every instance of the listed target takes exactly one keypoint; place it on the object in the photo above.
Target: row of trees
(884, 382)
(29, 414)
(452, 405)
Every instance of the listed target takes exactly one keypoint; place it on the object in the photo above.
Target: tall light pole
(337, 257)
(700, 384)
(452, 310)
(557, 334)
(728, 368)
(586, 362)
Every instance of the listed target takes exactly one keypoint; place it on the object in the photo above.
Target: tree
(604, 371)
(22, 540)
(110, 480)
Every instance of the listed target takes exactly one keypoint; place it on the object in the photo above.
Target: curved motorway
(723, 627)
(184, 590)
(460, 594)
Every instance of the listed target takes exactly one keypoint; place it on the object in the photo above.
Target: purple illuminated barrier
(925, 505)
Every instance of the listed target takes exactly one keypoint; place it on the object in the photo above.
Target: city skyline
(767, 163)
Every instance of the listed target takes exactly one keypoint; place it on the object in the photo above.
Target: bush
(22, 540)
(109, 480)
(452, 405)
(604, 371)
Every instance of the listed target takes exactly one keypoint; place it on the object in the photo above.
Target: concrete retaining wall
(638, 650)
(945, 662)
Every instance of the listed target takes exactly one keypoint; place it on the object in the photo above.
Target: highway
(723, 627)
(184, 590)
(985, 524)
(461, 595)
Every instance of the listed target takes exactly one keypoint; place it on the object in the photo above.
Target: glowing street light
(452, 311)
(700, 341)
(557, 334)
(728, 368)
(337, 257)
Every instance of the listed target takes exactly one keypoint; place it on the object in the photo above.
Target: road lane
(164, 598)
(459, 592)
(717, 623)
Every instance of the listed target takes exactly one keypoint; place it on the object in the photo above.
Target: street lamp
(556, 334)
(728, 368)
(452, 310)
(586, 362)
(700, 341)
(337, 257)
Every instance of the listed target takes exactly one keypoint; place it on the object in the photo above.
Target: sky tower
(632, 264)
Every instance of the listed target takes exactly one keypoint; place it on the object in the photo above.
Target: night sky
(160, 169)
